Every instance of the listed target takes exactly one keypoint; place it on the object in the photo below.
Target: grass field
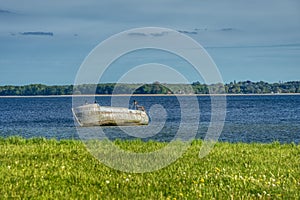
(51, 169)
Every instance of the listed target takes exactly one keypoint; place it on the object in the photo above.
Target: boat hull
(95, 115)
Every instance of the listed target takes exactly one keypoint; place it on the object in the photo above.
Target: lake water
(252, 118)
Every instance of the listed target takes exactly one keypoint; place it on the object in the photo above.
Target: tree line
(241, 87)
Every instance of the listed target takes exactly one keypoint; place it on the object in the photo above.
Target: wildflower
(202, 180)
(272, 179)
(259, 195)
(8, 167)
(127, 179)
(180, 194)
(107, 181)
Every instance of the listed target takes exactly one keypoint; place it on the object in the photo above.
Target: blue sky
(46, 41)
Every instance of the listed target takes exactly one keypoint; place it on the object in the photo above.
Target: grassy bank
(40, 168)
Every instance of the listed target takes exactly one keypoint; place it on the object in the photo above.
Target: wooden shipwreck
(96, 115)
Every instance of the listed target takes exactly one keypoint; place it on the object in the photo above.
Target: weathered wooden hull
(95, 115)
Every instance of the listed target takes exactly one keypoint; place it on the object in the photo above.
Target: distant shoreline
(156, 88)
(107, 95)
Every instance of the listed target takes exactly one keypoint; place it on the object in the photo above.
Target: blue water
(265, 118)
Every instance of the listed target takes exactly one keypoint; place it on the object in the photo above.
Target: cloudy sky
(47, 41)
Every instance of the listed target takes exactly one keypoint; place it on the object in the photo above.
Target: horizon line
(123, 83)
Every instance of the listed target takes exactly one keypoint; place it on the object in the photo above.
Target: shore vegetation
(41, 168)
(241, 87)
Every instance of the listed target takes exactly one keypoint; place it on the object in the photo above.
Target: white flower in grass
(107, 182)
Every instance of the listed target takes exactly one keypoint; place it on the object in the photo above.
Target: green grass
(51, 169)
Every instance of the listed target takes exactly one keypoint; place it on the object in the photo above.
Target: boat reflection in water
(96, 115)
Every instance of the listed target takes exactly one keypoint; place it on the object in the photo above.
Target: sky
(47, 41)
